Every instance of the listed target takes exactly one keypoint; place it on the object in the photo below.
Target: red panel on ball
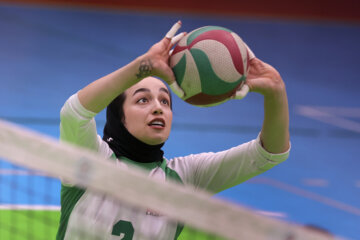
(205, 99)
(223, 37)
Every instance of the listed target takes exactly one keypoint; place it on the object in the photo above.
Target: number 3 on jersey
(123, 229)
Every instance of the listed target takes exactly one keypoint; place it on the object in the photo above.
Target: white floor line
(315, 182)
(307, 194)
(330, 117)
(352, 112)
(272, 214)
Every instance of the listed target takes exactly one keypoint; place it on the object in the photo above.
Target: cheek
(132, 118)
(134, 112)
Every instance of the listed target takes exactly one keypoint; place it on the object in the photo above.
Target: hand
(263, 78)
(159, 55)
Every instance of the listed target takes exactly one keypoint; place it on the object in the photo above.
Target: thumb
(177, 89)
(242, 92)
(169, 78)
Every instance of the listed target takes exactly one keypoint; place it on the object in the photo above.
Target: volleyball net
(31, 165)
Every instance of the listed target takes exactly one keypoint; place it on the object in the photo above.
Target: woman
(139, 117)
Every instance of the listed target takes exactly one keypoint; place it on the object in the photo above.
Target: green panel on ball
(179, 70)
(211, 84)
(201, 30)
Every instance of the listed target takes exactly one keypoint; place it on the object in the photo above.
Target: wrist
(276, 97)
(275, 89)
(144, 67)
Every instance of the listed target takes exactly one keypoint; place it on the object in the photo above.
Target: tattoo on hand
(145, 69)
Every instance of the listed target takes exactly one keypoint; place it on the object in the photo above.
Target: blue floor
(47, 54)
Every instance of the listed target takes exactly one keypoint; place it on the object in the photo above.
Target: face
(147, 111)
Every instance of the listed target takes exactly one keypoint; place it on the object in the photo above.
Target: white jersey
(109, 219)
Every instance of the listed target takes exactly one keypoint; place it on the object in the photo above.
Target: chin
(155, 141)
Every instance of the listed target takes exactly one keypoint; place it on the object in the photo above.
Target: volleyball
(209, 64)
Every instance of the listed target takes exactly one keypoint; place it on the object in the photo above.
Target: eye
(165, 101)
(142, 100)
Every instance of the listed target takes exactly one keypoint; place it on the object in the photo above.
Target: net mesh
(27, 207)
(31, 165)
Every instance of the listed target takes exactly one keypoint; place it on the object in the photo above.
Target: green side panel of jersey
(69, 197)
(179, 229)
(173, 175)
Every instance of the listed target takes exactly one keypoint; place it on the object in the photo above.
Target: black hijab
(124, 143)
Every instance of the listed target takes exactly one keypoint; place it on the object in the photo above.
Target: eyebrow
(147, 90)
(165, 90)
(141, 90)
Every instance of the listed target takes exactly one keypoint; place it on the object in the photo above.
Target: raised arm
(97, 95)
(266, 80)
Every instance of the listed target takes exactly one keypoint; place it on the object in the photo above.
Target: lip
(157, 126)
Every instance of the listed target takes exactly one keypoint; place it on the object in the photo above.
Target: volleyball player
(138, 123)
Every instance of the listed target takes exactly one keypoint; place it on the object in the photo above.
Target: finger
(177, 38)
(256, 65)
(171, 33)
(176, 89)
(251, 53)
(242, 92)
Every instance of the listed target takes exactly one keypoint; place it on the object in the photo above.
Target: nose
(157, 108)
